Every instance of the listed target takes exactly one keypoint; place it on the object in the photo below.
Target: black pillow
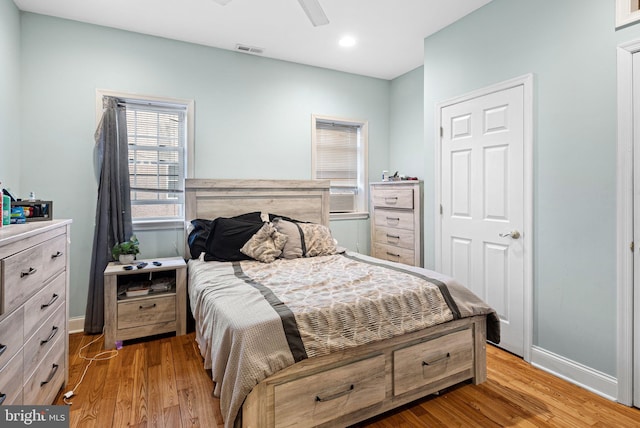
(227, 236)
(198, 237)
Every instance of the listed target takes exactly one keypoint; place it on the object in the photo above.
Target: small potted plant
(125, 252)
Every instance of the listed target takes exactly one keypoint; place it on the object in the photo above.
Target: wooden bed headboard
(306, 200)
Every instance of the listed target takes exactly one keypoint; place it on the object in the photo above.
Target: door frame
(526, 81)
(627, 377)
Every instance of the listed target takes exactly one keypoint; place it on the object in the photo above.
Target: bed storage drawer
(141, 312)
(395, 198)
(315, 399)
(429, 362)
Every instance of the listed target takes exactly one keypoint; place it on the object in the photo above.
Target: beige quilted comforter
(254, 319)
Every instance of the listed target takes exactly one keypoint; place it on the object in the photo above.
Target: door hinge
(440, 209)
(632, 246)
(441, 132)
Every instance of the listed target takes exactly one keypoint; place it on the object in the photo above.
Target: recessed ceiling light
(347, 42)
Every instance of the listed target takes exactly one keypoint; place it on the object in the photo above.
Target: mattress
(254, 319)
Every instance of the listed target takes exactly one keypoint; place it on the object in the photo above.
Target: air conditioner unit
(342, 202)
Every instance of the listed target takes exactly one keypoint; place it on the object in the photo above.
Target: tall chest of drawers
(34, 285)
(396, 224)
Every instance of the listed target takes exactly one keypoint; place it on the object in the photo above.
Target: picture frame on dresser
(34, 311)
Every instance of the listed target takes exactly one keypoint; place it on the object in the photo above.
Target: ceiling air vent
(249, 49)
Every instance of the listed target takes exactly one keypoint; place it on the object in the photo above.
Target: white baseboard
(576, 373)
(76, 325)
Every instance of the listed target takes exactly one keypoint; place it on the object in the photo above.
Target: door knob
(513, 235)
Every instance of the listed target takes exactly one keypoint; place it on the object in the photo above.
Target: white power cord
(112, 353)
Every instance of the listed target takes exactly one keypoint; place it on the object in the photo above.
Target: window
(339, 151)
(159, 136)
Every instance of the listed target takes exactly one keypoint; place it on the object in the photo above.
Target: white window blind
(157, 140)
(339, 156)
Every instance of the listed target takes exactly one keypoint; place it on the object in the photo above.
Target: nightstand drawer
(395, 237)
(393, 198)
(140, 312)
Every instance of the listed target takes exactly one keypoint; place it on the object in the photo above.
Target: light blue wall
(570, 47)
(406, 138)
(253, 118)
(9, 95)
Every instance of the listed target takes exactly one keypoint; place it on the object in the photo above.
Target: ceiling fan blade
(222, 2)
(314, 11)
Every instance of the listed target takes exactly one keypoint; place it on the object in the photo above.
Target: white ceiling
(389, 33)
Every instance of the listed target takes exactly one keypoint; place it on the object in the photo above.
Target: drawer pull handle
(54, 331)
(56, 255)
(54, 370)
(148, 306)
(439, 360)
(31, 271)
(391, 198)
(393, 236)
(53, 299)
(393, 255)
(336, 395)
(2, 398)
(393, 218)
(2, 349)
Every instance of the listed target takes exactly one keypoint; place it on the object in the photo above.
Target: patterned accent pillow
(318, 240)
(266, 245)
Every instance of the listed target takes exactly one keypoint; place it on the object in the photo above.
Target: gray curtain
(113, 211)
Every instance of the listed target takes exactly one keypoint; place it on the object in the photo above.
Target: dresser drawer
(48, 377)
(395, 237)
(21, 276)
(147, 311)
(429, 362)
(315, 399)
(393, 254)
(43, 304)
(11, 337)
(393, 198)
(54, 257)
(11, 381)
(394, 218)
(42, 341)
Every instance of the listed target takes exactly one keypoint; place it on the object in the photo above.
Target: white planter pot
(126, 259)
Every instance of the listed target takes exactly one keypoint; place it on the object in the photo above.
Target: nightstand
(143, 302)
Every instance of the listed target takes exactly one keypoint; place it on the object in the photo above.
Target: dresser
(34, 285)
(396, 223)
(129, 314)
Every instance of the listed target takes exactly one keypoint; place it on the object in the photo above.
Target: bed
(283, 356)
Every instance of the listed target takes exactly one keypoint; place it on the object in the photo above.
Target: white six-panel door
(482, 203)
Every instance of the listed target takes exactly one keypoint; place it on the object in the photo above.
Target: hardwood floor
(161, 383)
